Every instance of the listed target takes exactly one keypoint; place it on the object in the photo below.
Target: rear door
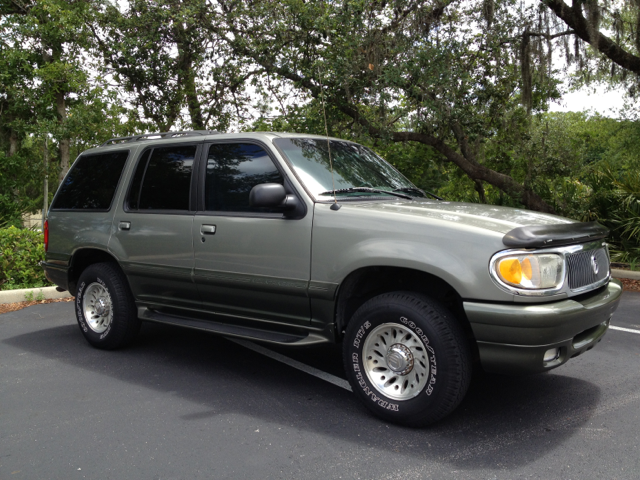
(250, 264)
(153, 236)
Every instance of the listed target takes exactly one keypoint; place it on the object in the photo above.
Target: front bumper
(513, 338)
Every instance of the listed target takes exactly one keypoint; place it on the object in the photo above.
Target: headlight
(529, 271)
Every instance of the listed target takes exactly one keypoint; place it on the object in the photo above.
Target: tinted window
(91, 182)
(136, 183)
(233, 169)
(163, 179)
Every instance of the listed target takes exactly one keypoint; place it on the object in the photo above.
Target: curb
(628, 274)
(20, 294)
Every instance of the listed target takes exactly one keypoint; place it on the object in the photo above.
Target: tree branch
(573, 17)
(546, 36)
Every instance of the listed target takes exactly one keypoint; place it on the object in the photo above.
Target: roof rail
(158, 136)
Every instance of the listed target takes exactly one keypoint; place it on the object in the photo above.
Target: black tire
(417, 348)
(105, 309)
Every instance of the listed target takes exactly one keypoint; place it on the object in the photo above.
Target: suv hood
(489, 217)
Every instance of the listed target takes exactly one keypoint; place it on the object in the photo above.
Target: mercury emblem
(594, 264)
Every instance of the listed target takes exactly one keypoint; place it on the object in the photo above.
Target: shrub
(21, 250)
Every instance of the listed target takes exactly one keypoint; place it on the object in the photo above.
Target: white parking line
(327, 377)
(629, 330)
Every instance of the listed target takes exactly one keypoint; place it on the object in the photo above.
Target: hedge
(21, 251)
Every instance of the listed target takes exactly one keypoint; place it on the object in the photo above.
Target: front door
(250, 264)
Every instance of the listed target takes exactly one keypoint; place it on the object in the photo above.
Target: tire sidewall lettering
(79, 312)
(104, 334)
(360, 333)
(360, 378)
(432, 358)
(381, 402)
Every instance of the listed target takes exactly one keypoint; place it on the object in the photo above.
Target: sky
(606, 103)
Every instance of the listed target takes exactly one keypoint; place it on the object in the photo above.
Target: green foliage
(30, 297)
(48, 90)
(615, 202)
(587, 168)
(163, 55)
(21, 250)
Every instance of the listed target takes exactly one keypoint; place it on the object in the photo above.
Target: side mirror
(269, 195)
(272, 195)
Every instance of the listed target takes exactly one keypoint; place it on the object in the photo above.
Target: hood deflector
(536, 236)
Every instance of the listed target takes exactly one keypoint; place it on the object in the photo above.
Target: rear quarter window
(92, 182)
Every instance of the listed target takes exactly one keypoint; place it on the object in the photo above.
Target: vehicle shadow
(504, 421)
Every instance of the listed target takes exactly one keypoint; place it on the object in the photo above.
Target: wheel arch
(368, 282)
(81, 259)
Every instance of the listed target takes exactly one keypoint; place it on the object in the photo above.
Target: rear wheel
(105, 308)
(407, 358)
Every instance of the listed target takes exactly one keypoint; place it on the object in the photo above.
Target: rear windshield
(91, 182)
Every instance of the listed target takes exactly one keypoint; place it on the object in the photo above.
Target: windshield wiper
(415, 189)
(366, 189)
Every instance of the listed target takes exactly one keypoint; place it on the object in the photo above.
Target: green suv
(299, 240)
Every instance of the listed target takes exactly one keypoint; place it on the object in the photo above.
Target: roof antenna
(336, 206)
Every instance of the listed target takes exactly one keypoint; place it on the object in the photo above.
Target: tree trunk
(13, 149)
(64, 142)
(195, 111)
(13, 143)
(187, 79)
(480, 189)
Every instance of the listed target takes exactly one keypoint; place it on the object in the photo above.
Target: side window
(233, 169)
(91, 183)
(163, 179)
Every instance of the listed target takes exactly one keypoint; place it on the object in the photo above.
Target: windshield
(357, 171)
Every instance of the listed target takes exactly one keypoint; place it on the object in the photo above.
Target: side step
(226, 328)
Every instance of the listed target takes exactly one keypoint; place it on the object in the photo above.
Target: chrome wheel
(97, 307)
(396, 361)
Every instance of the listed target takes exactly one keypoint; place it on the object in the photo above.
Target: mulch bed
(629, 285)
(12, 307)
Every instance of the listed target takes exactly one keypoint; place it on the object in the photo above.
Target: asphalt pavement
(182, 404)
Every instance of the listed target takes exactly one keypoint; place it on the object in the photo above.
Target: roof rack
(158, 136)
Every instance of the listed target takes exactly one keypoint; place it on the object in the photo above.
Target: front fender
(350, 239)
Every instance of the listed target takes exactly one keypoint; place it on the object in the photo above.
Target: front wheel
(105, 308)
(407, 358)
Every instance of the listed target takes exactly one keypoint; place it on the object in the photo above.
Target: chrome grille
(581, 267)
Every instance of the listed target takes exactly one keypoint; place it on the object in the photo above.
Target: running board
(230, 330)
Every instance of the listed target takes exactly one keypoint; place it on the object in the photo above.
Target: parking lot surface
(182, 404)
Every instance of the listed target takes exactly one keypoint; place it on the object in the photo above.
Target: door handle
(208, 229)
(124, 225)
